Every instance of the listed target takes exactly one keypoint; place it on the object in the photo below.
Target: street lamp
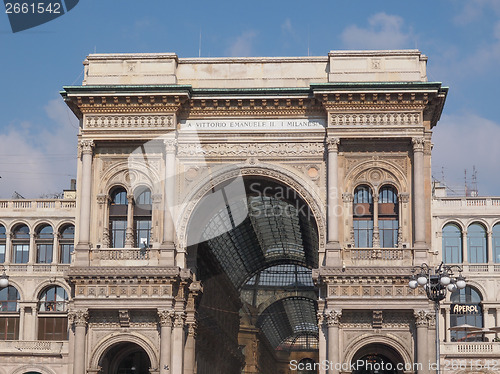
(436, 282)
(4, 279)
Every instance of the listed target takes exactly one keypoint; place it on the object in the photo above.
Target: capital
(178, 319)
(78, 316)
(421, 318)
(418, 144)
(166, 317)
(332, 144)
(170, 145)
(347, 197)
(333, 317)
(86, 145)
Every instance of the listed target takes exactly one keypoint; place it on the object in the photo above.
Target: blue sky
(461, 39)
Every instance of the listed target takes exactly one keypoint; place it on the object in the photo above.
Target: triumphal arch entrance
(252, 215)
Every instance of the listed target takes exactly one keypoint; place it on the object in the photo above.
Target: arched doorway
(125, 358)
(378, 358)
(254, 251)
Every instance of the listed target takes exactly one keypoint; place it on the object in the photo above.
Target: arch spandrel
(376, 173)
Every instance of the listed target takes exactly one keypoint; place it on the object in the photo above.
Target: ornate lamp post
(4, 279)
(436, 282)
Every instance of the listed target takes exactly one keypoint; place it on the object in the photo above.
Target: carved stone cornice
(376, 119)
(253, 107)
(245, 150)
(333, 317)
(418, 144)
(365, 102)
(166, 317)
(78, 317)
(332, 144)
(85, 146)
(129, 122)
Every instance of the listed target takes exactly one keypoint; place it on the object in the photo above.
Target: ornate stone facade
(169, 298)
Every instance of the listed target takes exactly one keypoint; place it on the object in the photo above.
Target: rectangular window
(53, 328)
(496, 249)
(2, 252)
(21, 253)
(388, 233)
(9, 328)
(363, 233)
(44, 253)
(65, 253)
(142, 232)
(118, 230)
(476, 247)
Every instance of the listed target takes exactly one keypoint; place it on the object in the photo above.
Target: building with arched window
(247, 215)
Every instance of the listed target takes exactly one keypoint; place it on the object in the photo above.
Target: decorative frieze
(376, 119)
(251, 149)
(126, 122)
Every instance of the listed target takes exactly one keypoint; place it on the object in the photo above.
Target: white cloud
(243, 45)
(34, 162)
(474, 9)
(385, 31)
(286, 27)
(464, 141)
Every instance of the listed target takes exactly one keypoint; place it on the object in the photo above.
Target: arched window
(52, 316)
(142, 217)
(9, 313)
(363, 217)
(476, 244)
(66, 243)
(118, 217)
(3, 241)
(307, 366)
(496, 243)
(388, 212)
(21, 244)
(452, 244)
(466, 296)
(44, 241)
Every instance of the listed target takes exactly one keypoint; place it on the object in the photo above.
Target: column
(178, 343)
(21, 322)
(129, 234)
(79, 317)
(333, 322)
(333, 204)
(447, 324)
(490, 247)
(86, 146)
(322, 344)
(8, 248)
(422, 341)
(33, 250)
(418, 192)
(376, 237)
(55, 247)
(189, 349)
(497, 321)
(348, 199)
(169, 197)
(165, 340)
(103, 201)
(465, 252)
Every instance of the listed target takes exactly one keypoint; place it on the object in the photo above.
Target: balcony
(124, 257)
(378, 256)
(33, 348)
(471, 349)
(43, 204)
(468, 204)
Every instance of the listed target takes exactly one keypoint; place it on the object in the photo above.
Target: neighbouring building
(248, 215)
